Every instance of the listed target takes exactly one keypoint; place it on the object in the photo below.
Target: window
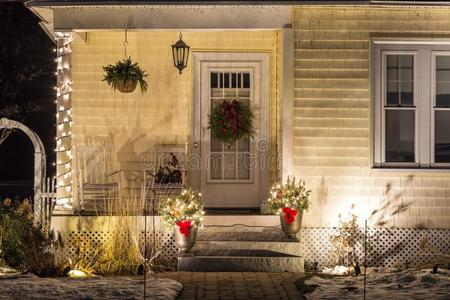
(399, 108)
(411, 98)
(441, 108)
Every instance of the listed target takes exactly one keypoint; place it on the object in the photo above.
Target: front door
(232, 176)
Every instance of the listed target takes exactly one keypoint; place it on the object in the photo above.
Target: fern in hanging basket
(230, 121)
(125, 75)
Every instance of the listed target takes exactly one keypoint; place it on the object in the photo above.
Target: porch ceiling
(144, 15)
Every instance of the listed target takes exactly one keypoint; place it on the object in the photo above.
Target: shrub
(344, 242)
(27, 245)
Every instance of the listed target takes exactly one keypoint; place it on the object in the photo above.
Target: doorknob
(195, 145)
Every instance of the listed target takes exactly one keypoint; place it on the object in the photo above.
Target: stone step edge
(241, 264)
(243, 220)
(247, 241)
(239, 257)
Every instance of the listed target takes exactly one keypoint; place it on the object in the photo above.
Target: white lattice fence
(386, 247)
(389, 247)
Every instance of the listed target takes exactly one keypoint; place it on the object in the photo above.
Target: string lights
(64, 116)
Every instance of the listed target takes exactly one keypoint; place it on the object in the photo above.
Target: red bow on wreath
(289, 214)
(184, 227)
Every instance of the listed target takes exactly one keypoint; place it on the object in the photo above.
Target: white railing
(47, 200)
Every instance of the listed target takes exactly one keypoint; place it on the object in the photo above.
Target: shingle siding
(332, 114)
(127, 126)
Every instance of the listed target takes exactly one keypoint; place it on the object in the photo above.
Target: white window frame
(425, 52)
(434, 108)
(385, 107)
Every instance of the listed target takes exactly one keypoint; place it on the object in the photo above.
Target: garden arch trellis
(39, 160)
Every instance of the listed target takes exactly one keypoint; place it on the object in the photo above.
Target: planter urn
(185, 240)
(291, 222)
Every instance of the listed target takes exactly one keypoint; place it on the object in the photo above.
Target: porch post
(64, 143)
(287, 102)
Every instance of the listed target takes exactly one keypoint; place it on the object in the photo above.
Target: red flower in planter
(289, 214)
(184, 227)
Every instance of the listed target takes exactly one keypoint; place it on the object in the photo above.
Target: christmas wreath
(230, 121)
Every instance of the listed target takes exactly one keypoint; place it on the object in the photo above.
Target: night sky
(26, 90)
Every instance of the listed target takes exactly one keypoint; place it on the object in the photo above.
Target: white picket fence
(47, 199)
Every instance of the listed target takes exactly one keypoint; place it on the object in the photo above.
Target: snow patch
(122, 287)
(384, 285)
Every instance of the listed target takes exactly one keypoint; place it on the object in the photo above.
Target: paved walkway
(234, 285)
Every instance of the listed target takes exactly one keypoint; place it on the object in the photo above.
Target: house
(351, 96)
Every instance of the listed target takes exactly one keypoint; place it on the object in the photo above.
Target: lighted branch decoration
(184, 210)
(289, 198)
(230, 121)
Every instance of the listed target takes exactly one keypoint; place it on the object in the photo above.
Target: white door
(232, 175)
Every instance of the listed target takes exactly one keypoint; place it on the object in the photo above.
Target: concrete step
(246, 220)
(287, 248)
(242, 248)
(241, 232)
(227, 260)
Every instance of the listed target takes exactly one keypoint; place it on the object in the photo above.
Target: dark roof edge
(56, 3)
(49, 3)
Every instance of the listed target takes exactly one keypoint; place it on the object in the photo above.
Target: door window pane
(230, 166)
(214, 83)
(442, 137)
(443, 81)
(244, 144)
(246, 80)
(230, 162)
(243, 165)
(215, 166)
(400, 135)
(216, 145)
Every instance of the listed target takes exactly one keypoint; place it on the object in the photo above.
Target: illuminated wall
(127, 125)
(332, 115)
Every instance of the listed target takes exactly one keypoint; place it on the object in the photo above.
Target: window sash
(384, 106)
(434, 109)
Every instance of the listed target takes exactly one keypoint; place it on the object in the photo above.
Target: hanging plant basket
(230, 121)
(126, 86)
(125, 76)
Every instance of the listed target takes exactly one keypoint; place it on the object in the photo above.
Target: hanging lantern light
(180, 52)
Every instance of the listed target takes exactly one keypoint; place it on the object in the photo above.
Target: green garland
(230, 121)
